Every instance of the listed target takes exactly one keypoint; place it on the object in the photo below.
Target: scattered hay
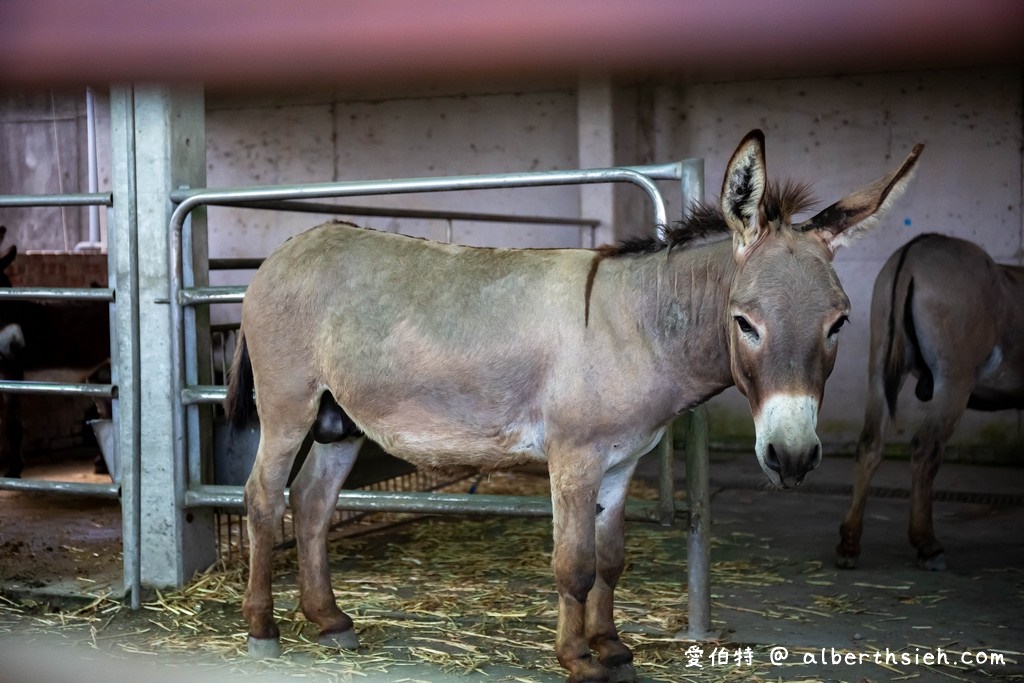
(452, 596)
(441, 597)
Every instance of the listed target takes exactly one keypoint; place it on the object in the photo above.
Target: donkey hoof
(935, 563)
(264, 648)
(588, 671)
(340, 640)
(623, 673)
(846, 561)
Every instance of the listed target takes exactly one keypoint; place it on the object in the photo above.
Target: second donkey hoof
(264, 648)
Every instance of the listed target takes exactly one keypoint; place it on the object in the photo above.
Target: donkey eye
(837, 325)
(745, 327)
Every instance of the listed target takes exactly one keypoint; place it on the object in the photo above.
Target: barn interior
(131, 109)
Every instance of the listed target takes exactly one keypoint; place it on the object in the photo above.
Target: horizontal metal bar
(188, 198)
(211, 295)
(80, 199)
(58, 389)
(231, 195)
(349, 210)
(424, 503)
(670, 171)
(203, 393)
(58, 293)
(63, 487)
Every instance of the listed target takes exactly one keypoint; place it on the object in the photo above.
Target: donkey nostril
(813, 460)
(816, 456)
(772, 459)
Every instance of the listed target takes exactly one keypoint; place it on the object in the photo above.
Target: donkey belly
(1000, 384)
(421, 441)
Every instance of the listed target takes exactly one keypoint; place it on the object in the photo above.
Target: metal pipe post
(698, 549)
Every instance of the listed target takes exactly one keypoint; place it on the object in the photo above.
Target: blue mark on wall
(906, 222)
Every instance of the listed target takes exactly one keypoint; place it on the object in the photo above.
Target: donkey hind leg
(927, 447)
(264, 501)
(314, 496)
(869, 457)
(574, 491)
(610, 553)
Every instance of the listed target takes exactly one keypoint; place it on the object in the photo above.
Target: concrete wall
(840, 133)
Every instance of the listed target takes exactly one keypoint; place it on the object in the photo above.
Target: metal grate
(233, 537)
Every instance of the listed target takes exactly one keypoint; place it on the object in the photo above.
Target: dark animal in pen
(61, 340)
(943, 311)
(577, 358)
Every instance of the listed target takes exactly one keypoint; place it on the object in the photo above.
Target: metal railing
(182, 296)
(60, 388)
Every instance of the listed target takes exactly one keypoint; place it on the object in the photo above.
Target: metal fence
(62, 388)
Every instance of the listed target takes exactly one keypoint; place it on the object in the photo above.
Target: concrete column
(159, 145)
(615, 128)
(595, 113)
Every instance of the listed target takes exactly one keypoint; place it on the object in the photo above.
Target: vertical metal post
(698, 494)
(123, 254)
(198, 370)
(666, 476)
(170, 146)
(698, 548)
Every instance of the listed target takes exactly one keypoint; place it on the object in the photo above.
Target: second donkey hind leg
(927, 446)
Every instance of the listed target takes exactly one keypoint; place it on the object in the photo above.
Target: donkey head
(786, 304)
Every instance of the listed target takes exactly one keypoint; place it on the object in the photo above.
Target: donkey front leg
(264, 501)
(610, 548)
(314, 496)
(574, 502)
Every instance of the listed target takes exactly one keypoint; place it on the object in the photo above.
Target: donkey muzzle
(787, 446)
(792, 468)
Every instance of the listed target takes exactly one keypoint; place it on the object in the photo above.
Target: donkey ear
(853, 216)
(743, 190)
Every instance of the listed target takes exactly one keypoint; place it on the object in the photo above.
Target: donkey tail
(901, 332)
(240, 403)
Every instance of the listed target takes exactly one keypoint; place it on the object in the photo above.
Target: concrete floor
(887, 604)
(815, 618)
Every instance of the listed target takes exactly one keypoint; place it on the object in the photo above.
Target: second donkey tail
(900, 328)
(240, 403)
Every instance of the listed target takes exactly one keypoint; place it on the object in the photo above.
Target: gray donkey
(456, 356)
(945, 312)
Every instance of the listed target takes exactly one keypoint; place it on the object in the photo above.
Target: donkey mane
(781, 202)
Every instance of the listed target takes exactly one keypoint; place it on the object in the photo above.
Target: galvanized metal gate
(61, 294)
